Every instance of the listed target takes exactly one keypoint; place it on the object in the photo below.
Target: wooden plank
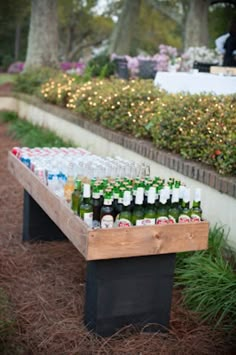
(223, 70)
(149, 240)
(110, 243)
(71, 225)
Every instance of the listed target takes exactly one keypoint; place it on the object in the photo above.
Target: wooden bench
(129, 275)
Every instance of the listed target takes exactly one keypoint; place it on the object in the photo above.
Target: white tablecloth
(195, 83)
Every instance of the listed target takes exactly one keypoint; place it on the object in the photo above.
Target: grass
(208, 279)
(7, 78)
(31, 135)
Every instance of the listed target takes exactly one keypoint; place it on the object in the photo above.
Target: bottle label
(88, 219)
(108, 202)
(195, 218)
(162, 220)
(107, 221)
(184, 218)
(172, 220)
(123, 222)
(139, 222)
(149, 221)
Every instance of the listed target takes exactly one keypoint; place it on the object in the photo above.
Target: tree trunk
(17, 41)
(43, 37)
(122, 36)
(196, 28)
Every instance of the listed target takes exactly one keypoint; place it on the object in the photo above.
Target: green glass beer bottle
(96, 202)
(138, 210)
(86, 208)
(173, 212)
(150, 210)
(196, 210)
(125, 215)
(107, 211)
(76, 197)
(162, 211)
(185, 212)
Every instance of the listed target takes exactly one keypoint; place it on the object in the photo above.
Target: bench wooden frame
(110, 243)
(130, 271)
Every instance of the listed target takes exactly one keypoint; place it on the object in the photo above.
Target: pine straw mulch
(45, 283)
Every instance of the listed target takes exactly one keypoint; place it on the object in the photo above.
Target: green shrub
(30, 82)
(100, 66)
(208, 280)
(199, 127)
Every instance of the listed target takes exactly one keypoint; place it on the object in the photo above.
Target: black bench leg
(127, 291)
(36, 223)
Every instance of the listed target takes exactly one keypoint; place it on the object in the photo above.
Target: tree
(14, 18)
(196, 28)
(124, 31)
(80, 28)
(43, 37)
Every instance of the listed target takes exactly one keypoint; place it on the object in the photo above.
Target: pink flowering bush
(16, 67)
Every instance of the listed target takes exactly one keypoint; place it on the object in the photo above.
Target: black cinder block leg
(127, 291)
(36, 223)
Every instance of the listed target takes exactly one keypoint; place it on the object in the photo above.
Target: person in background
(226, 45)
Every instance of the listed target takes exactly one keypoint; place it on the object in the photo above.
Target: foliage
(28, 82)
(209, 281)
(7, 78)
(100, 66)
(31, 135)
(198, 127)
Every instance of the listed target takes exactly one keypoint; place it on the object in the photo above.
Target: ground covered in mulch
(45, 283)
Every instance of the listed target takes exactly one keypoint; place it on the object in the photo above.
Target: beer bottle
(86, 208)
(185, 212)
(173, 213)
(115, 197)
(96, 202)
(162, 211)
(107, 211)
(196, 210)
(150, 210)
(69, 188)
(119, 205)
(138, 210)
(125, 215)
(76, 197)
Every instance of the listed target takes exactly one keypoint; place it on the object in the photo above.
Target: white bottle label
(183, 218)
(107, 221)
(162, 220)
(88, 219)
(123, 222)
(149, 221)
(140, 222)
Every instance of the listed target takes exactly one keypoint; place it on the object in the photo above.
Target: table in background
(195, 83)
